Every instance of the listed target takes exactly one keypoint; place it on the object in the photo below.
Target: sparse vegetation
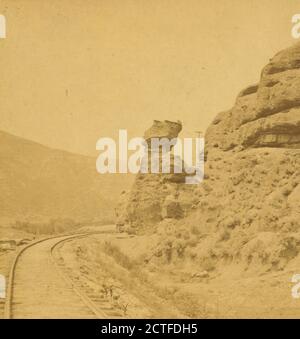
(120, 258)
(53, 226)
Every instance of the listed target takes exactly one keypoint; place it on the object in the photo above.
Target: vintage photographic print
(149, 160)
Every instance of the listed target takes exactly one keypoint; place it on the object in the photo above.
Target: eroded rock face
(279, 86)
(246, 212)
(248, 208)
(171, 208)
(254, 151)
(148, 201)
(267, 114)
(163, 129)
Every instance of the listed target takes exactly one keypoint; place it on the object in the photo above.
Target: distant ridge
(37, 181)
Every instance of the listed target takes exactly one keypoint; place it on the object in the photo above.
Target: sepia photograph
(149, 161)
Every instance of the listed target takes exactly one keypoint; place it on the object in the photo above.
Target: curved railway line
(39, 286)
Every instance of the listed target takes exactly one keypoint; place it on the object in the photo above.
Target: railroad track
(39, 286)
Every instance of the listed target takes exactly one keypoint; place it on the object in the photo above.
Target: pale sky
(73, 71)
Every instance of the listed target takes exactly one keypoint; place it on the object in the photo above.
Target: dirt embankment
(107, 273)
(177, 289)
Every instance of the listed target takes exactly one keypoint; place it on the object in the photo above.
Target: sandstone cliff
(247, 210)
(267, 114)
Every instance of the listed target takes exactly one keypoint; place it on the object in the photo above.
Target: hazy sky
(76, 70)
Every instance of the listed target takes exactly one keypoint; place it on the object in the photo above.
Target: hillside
(40, 182)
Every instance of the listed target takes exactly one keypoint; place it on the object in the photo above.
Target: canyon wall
(248, 207)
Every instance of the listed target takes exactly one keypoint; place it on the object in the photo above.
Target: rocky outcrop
(240, 228)
(156, 196)
(171, 208)
(267, 114)
(247, 210)
(248, 207)
(163, 129)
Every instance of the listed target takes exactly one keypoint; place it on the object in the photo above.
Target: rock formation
(248, 206)
(247, 210)
(155, 197)
(163, 129)
(266, 114)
